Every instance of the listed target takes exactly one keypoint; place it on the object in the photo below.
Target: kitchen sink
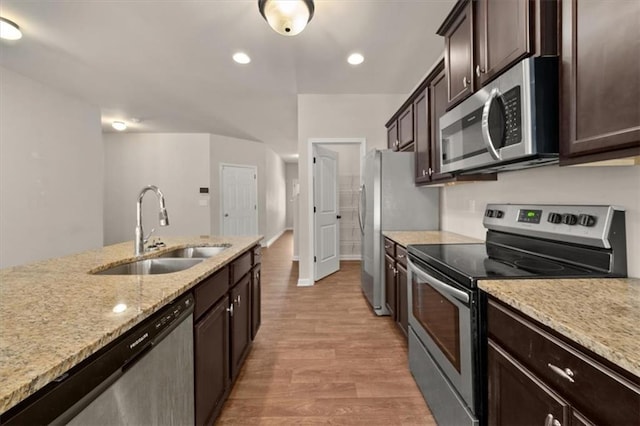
(151, 267)
(200, 252)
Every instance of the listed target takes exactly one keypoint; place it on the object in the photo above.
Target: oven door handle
(439, 285)
(486, 135)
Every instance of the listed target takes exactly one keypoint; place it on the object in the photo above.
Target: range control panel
(580, 224)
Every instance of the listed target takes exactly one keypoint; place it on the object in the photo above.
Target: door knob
(338, 217)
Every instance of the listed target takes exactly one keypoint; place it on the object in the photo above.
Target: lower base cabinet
(256, 301)
(402, 314)
(240, 306)
(211, 343)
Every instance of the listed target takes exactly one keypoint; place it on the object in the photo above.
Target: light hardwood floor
(321, 356)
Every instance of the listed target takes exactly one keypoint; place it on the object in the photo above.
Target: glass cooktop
(485, 261)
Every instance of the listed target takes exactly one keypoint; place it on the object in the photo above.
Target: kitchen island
(56, 313)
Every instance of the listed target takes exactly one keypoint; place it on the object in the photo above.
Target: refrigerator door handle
(360, 209)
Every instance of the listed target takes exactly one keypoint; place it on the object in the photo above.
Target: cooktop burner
(480, 261)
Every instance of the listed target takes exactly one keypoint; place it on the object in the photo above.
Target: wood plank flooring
(322, 357)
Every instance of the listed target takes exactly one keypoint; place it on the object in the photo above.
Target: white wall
(226, 150)
(291, 175)
(51, 172)
(463, 205)
(335, 116)
(177, 163)
(275, 197)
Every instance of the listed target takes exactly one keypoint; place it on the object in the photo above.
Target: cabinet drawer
(240, 267)
(390, 247)
(599, 393)
(210, 290)
(401, 255)
(257, 255)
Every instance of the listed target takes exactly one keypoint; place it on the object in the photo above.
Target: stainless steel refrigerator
(390, 201)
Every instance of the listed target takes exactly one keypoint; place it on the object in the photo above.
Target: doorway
(238, 199)
(350, 153)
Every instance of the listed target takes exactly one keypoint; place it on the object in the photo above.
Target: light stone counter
(602, 315)
(54, 313)
(405, 238)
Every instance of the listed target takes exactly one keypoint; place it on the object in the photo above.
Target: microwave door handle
(439, 285)
(486, 136)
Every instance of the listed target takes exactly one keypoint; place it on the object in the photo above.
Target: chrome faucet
(164, 218)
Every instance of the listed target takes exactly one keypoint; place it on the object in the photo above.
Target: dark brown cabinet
(402, 314)
(211, 345)
(390, 284)
(240, 306)
(529, 362)
(400, 133)
(600, 102)
(392, 135)
(484, 38)
(226, 320)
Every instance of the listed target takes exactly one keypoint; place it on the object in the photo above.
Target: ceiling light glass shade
(355, 59)
(287, 17)
(9, 30)
(241, 58)
(119, 125)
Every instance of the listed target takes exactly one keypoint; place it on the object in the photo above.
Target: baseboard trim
(274, 239)
(305, 282)
(350, 257)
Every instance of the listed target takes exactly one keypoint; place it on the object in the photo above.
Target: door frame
(310, 176)
(221, 194)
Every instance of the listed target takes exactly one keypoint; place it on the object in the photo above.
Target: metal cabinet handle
(465, 82)
(564, 373)
(230, 309)
(400, 256)
(430, 171)
(238, 300)
(479, 70)
(387, 246)
(551, 421)
(395, 271)
(257, 276)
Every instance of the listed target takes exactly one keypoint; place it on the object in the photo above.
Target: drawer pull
(565, 374)
(387, 247)
(550, 421)
(400, 256)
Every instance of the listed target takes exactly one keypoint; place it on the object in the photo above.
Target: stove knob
(569, 219)
(554, 218)
(586, 220)
(489, 213)
(499, 214)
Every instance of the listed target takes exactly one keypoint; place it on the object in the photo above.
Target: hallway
(321, 356)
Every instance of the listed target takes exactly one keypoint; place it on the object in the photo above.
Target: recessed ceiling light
(119, 125)
(241, 58)
(355, 59)
(9, 30)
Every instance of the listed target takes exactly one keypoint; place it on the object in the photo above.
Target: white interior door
(325, 201)
(239, 205)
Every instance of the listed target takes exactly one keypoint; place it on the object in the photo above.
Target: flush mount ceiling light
(241, 58)
(9, 30)
(355, 59)
(287, 17)
(119, 125)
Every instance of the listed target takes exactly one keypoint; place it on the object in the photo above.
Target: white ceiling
(168, 62)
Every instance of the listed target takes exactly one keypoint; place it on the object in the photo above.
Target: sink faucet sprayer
(164, 218)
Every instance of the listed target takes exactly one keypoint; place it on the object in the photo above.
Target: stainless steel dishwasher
(144, 378)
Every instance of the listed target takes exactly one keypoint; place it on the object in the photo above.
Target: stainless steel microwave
(511, 123)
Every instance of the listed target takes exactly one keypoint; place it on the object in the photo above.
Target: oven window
(440, 318)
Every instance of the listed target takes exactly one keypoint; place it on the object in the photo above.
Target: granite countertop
(405, 238)
(600, 314)
(54, 313)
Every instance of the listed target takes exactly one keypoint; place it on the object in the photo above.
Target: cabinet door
(390, 285)
(402, 317)
(392, 136)
(438, 101)
(256, 300)
(504, 35)
(240, 323)
(211, 356)
(510, 385)
(421, 136)
(405, 128)
(458, 56)
(600, 85)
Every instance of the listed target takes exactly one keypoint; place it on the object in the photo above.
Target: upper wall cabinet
(483, 38)
(400, 132)
(600, 80)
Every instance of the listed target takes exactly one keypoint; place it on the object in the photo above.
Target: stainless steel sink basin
(201, 252)
(151, 267)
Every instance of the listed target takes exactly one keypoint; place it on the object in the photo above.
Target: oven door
(441, 317)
